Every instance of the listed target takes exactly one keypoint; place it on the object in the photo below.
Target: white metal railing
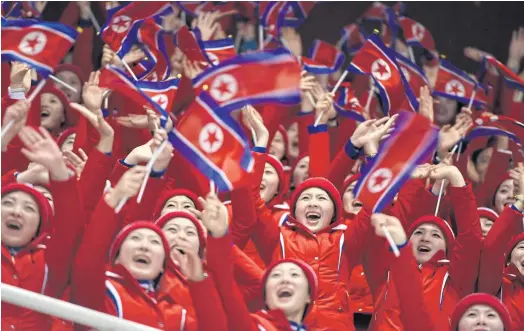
(67, 311)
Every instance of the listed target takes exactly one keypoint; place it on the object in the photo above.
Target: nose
(482, 319)
(17, 210)
(425, 237)
(144, 246)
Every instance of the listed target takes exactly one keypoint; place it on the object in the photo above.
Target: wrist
(60, 173)
(513, 64)
(455, 178)
(111, 199)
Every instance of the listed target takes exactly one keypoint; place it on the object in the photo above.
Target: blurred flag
(42, 45)
(375, 59)
(417, 35)
(413, 140)
(352, 39)
(219, 50)
(324, 58)
(510, 78)
(272, 16)
(162, 93)
(487, 125)
(150, 35)
(413, 74)
(347, 104)
(214, 143)
(297, 12)
(191, 45)
(238, 81)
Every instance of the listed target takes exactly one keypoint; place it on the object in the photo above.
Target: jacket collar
(335, 226)
(119, 273)
(438, 259)
(34, 245)
(513, 274)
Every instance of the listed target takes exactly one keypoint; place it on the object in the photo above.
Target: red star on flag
(455, 89)
(379, 179)
(223, 88)
(381, 69)
(32, 43)
(211, 138)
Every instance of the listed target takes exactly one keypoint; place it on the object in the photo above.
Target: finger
(227, 13)
(32, 137)
(45, 134)
(73, 158)
(202, 202)
(28, 154)
(381, 121)
(197, 213)
(83, 154)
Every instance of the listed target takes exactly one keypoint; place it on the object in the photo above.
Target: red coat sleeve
(9, 178)
(220, 265)
(340, 168)
(408, 283)
(144, 210)
(497, 168)
(88, 276)
(319, 156)
(248, 276)
(208, 307)
(414, 200)
(83, 49)
(465, 256)
(494, 249)
(304, 120)
(67, 226)
(70, 15)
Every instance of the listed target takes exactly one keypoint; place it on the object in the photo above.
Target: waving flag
(413, 74)
(271, 43)
(191, 8)
(272, 16)
(352, 39)
(191, 44)
(114, 79)
(161, 93)
(376, 12)
(416, 34)
(214, 143)
(488, 128)
(324, 58)
(453, 83)
(375, 59)
(120, 30)
(413, 140)
(237, 82)
(150, 36)
(219, 50)
(42, 45)
(297, 12)
(347, 104)
(511, 78)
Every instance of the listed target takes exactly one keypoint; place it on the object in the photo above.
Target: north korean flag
(376, 12)
(115, 79)
(510, 78)
(352, 39)
(237, 82)
(120, 30)
(491, 125)
(375, 59)
(297, 12)
(417, 35)
(272, 16)
(413, 140)
(413, 74)
(191, 7)
(453, 83)
(42, 45)
(214, 143)
(271, 43)
(324, 58)
(347, 104)
(218, 51)
(191, 44)
(150, 37)
(162, 93)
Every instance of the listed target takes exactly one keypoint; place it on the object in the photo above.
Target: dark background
(453, 24)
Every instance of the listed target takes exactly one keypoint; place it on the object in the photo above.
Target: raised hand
(41, 148)
(449, 135)
(20, 76)
(516, 49)
(517, 174)
(92, 95)
(422, 171)
(166, 155)
(191, 68)
(16, 114)
(371, 131)
(84, 7)
(292, 40)
(426, 103)
(96, 119)
(78, 161)
(190, 264)
(207, 23)
(253, 120)
(214, 216)
(36, 174)
(307, 84)
(324, 107)
(393, 226)
(149, 121)
(449, 172)
(127, 187)
(475, 54)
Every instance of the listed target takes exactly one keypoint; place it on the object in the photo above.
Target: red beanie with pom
(182, 214)
(279, 168)
(122, 235)
(348, 182)
(480, 299)
(442, 225)
(168, 194)
(323, 184)
(488, 213)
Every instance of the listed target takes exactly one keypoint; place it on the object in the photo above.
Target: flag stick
(130, 71)
(470, 104)
(411, 55)
(260, 37)
(183, 17)
(238, 40)
(37, 90)
(340, 80)
(93, 19)
(7, 127)
(370, 96)
(120, 205)
(391, 241)
(149, 168)
(318, 118)
(212, 186)
(254, 136)
(61, 82)
(342, 41)
(442, 184)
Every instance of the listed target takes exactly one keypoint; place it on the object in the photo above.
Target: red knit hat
(283, 131)
(122, 235)
(295, 164)
(323, 184)
(480, 299)
(71, 117)
(501, 180)
(487, 213)
(442, 225)
(348, 182)
(282, 182)
(169, 193)
(64, 135)
(74, 69)
(308, 271)
(200, 229)
(43, 205)
(513, 242)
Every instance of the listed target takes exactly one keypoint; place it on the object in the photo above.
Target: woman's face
(292, 140)
(480, 318)
(142, 254)
(445, 110)
(350, 204)
(426, 240)
(20, 219)
(482, 161)
(504, 195)
(485, 225)
(301, 172)
(314, 209)
(517, 256)
(72, 79)
(52, 113)
(287, 288)
(67, 146)
(278, 146)
(177, 203)
(269, 184)
(47, 194)
(182, 235)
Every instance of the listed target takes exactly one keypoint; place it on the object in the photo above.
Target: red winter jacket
(44, 265)
(508, 283)
(445, 282)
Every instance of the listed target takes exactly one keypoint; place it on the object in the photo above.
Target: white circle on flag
(379, 180)
(380, 70)
(121, 23)
(161, 99)
(224, 87)
(418, 31)
(213, 58)
(33, 43)
(211, 138)
(455, 87)
(405, 72)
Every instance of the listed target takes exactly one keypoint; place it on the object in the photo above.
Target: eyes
(307, 198)
(136, 238)
(25, 207)
(174, 230)
(421, 233)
